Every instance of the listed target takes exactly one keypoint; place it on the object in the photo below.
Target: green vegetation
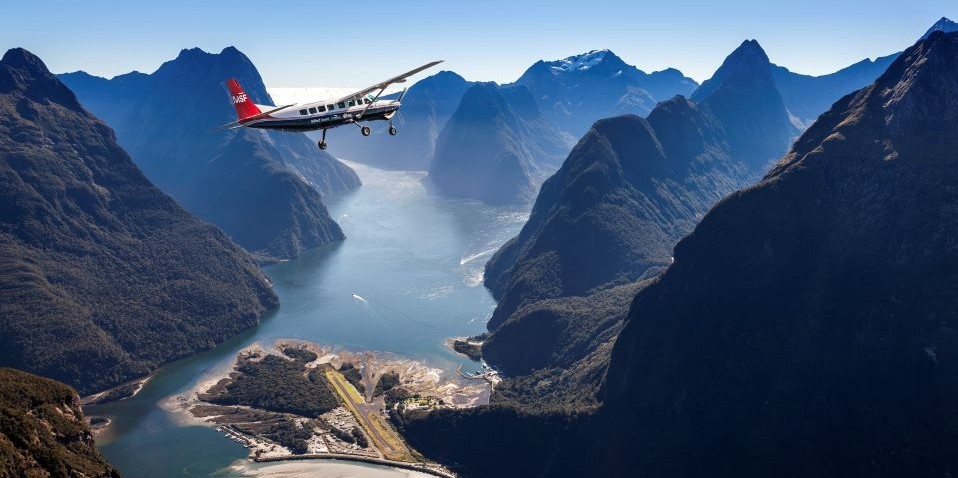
(42, 430)
(353, 376)
(104, 278)
(126, 390)
(360, 438)
(283, 430)
(353, 436)
(388, 385)
(277, 384)
(473, 351)
(387, 381)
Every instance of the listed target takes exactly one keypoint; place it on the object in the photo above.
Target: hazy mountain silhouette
(808, 96)
(102, 277)
(252, 184)
(496, 147)
(553, 103)
(426, 107)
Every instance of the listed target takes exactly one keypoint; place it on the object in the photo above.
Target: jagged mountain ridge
(477, 155)
(813, 310)
(633, 187)
(746, 327)
(809, 96)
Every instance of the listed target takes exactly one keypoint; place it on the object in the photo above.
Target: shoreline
(100, 398)
(416, 375)
(420, 467)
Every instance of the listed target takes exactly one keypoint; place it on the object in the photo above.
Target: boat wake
(467, 259)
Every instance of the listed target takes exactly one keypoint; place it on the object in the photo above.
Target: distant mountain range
(631, 189)
(480, 155)
(102, 277)
(263, 189)
(43, 432)
(809, 96)
(571, 94)
(805, 327)
(574, 92)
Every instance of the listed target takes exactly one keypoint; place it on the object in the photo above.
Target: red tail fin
(244, 106)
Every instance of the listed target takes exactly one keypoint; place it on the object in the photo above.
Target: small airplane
(354, 108)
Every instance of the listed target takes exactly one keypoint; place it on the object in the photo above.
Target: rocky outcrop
(43, 432)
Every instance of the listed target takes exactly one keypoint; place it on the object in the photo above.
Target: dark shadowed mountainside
(43, 432)
(633, 187)
(807, 326)
(496, 147)
(425, 109)
(102, 276)
(261, 188)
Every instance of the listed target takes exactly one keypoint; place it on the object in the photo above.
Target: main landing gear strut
(322, 143)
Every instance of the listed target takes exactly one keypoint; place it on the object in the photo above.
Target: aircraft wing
(382, 85)
(251, 119)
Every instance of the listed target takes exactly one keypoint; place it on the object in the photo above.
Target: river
(408, 276)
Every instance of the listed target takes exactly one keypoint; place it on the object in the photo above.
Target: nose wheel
(322, 143)
(392, 130)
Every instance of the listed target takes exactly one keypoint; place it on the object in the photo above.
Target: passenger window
(330, 107)
(321, 108)
(352, 103)
(341, 104)
(302, 112)
(312, 111)
(368, 101)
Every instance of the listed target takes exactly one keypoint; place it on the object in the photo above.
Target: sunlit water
(408, 276)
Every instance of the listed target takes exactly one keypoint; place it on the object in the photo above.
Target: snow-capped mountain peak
(580, 62)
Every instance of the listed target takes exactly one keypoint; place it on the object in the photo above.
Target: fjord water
(408, 276)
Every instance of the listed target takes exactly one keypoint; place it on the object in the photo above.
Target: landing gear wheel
(322, 141)
(392, 130)
(365, 130)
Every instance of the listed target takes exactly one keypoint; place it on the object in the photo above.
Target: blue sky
(334, 43)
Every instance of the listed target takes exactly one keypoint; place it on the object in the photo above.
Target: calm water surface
(408, 276)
